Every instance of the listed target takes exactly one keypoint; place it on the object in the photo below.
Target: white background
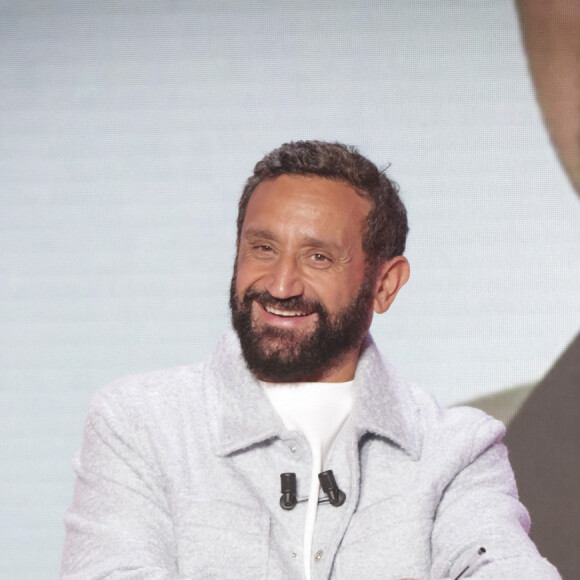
(127, 130)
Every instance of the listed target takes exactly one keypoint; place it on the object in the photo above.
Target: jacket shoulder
(153, 387)
(459, 433)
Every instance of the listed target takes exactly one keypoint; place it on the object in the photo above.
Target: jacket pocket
(222, 540)
(390, 539)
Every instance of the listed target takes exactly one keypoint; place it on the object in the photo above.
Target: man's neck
(342, 371)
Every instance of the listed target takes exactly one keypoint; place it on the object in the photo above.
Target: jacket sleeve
(118, 525)
(480, 508)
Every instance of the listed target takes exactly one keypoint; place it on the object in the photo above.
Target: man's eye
(320, 258)
(263, 248)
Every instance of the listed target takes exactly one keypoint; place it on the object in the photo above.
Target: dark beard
(283, 355)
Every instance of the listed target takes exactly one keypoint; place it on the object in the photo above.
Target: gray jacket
(179, 477)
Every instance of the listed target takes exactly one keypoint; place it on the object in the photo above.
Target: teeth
(288, 313)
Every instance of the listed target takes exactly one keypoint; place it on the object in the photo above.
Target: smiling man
(303, 294)
(296, 450)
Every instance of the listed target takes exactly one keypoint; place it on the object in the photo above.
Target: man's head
(385, 230)
(320, 236)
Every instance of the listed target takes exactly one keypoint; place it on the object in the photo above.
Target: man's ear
(391, 277)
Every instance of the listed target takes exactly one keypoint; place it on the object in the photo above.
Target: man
(211, 471)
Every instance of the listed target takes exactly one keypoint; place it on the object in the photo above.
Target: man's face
(301, 296)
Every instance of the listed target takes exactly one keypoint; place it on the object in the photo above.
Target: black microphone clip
(336, 497)
(288, 488)
(288, 499)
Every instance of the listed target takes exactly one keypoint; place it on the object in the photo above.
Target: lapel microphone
(288, 488)
(336, 497)
(288, 499)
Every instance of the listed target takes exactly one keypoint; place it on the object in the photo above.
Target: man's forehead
(314, 189)
(315, 211)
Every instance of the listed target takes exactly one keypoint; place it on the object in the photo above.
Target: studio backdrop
(127, 130)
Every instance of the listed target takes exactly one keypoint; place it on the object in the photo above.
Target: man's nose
(285, 279)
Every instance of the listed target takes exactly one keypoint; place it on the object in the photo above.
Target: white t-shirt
(318, 411)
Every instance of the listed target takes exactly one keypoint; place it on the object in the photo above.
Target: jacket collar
(239, 412)
(384, 404)
(241, 415)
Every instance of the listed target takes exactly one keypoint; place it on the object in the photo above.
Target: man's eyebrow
(318, 243)
(264, 234)
(259, 233)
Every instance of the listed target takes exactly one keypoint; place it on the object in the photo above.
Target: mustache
(292, 303)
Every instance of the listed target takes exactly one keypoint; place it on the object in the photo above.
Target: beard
(287, 355)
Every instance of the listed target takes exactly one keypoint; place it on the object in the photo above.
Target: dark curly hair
(386, 225)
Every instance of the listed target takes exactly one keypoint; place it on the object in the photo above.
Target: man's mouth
(285, 313)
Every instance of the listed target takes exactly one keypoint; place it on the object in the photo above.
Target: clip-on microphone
(336, 497)
(288, 487)
(288, 499)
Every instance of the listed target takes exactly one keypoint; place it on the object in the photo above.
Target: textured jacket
(179, 478)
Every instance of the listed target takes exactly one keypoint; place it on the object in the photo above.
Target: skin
(551, 35)
(302, 236)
